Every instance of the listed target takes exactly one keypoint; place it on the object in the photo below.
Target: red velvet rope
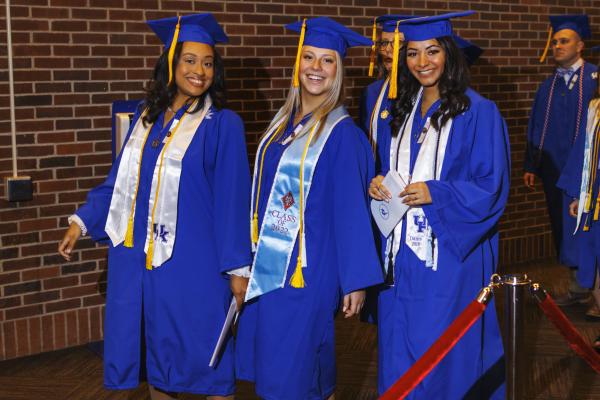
(435, 353)
(572, 336)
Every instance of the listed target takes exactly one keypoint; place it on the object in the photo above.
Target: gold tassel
(597, 210)
(255, 228)
(150, 254)
(298, 54)
(373, 48)
(172, 50)
(543, 57)
(129, 233)
(297, 279)
(394, 74)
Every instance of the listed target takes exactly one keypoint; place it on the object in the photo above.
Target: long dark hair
(159, 95)
(453, 85)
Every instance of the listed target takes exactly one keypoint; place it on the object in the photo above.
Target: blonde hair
(292, 103)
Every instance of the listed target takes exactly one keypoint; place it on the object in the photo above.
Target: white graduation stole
(592, 120)
(419, 236)
(374, 122)
(281, 221)
(165, 214)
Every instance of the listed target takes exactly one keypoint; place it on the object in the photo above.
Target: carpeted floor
(553, 371)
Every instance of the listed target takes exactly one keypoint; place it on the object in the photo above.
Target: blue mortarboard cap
(470, 50)
(388, 22)
(425, 28)
(326, 33)
(201, 28)
(579, 23)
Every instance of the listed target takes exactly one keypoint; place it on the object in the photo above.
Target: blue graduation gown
(557, 144)
(179, 307)
(285, 339)
(467, 202)
(588, 242)
(367, 104)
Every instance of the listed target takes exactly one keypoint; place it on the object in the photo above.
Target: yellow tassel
(298, 54)
(394, 74)
(150, 255)
(373, 48)
(297, 279)
(597, 210)
(543, 57)
(129, 234)
(255, 228)
(172, 49)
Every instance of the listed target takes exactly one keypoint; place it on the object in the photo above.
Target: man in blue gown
(557, 114)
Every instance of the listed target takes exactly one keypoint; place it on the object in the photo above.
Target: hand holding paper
(387, 214)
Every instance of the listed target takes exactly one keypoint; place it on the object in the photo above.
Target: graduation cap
(201, 28)
(470, 50)
(425, 28)
(388, 24)
(324, 33)
(420, 28)
(580, 23)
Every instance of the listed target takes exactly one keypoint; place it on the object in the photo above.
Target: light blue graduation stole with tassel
(281, 222)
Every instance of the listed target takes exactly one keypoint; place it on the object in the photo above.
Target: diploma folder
(230, 320)
(388, 214)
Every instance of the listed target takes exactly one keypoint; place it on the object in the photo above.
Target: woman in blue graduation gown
(451, 146)
(174, 207)
(580, 181)
(314, 244)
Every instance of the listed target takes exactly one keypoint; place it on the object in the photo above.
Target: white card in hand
(388, 214)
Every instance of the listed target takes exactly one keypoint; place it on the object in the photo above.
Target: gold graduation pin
(384, 114)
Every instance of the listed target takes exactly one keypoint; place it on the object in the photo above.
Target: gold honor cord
(373, 48)
(150, 252)
(298, 54)
(394, 74)
(129, 233)
(297, 279)
(259, 183)
(593, 177)
(543, 57)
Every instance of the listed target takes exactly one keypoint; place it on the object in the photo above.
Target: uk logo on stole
(287, 201)
(160, 232)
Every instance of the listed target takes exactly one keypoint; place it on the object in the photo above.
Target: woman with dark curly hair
(450, 146)
(173, 211)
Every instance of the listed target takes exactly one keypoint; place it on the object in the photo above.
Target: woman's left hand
(238, 285)
(416, 194)
(353, 303)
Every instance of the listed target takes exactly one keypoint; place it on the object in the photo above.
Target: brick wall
(72, 58)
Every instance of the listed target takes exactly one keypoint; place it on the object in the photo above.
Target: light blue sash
(280, 224)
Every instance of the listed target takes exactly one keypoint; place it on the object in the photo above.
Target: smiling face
(425, 61)
(195, 71)
(566, 47)
(317, 72)
(386, 48)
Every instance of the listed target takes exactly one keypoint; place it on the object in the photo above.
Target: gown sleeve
(533, 131)
(570, 178)
(363, 113)
(353, 166)
(94, 211)
(232, 194)
(465, 211)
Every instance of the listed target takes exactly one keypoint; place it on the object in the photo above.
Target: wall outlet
(18, 188)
